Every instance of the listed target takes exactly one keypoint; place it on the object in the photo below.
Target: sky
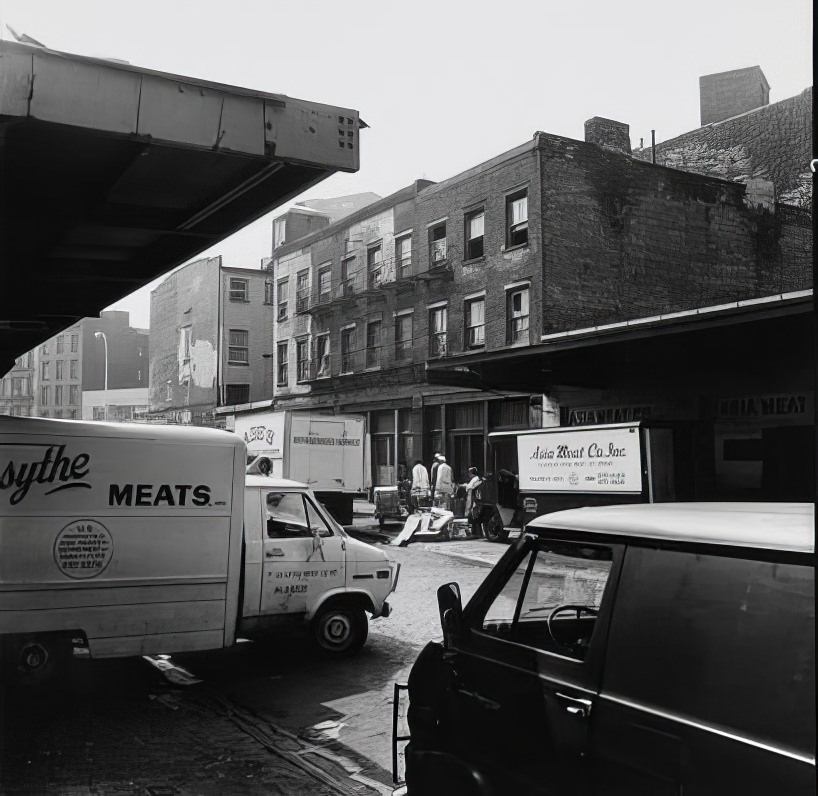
(442, 84)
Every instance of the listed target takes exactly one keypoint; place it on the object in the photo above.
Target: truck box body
(98, 518)
(324, 450)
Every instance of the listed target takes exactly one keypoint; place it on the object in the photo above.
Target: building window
(517, 316)
(58, 395)
(403, 337)
(238, 347)
(44, 396)
(438, 319)
(74, 369)
(302, 291)
(73, 395)
(403, 256)
(437, 244)
(373, 344)
(347, 349)
(44, 349)
(75, 343)
(475, 225)
(283, 288)
(59, 368)
(302, 359)
(324, 283)
(517, 219)
(44, 370)
(322, 356)
(184, 344)
(282, 370)
(60, 343)
(169, 391)
(279, 228)
(475, 320)
(239, 289)
(269, 291)
(237, 394)
(347, 285)
(374, 266)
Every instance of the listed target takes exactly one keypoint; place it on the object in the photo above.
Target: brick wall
(726, 94)
(623, 239)
(773, 142)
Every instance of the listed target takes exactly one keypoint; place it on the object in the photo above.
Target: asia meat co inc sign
(592, 460)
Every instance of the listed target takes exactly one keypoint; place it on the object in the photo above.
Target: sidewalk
(120, 727)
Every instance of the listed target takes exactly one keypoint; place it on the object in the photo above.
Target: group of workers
(438, 486)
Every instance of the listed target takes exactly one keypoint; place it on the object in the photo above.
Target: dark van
(648, 649)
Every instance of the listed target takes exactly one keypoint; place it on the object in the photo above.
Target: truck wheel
(494, 530)
(38, 660)
(340, 629)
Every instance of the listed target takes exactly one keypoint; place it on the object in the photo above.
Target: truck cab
(300, 566)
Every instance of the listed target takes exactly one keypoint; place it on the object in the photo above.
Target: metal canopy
(111, 175)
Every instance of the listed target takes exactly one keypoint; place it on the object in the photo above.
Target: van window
(291, 514)
(552, 599)
(723, 641)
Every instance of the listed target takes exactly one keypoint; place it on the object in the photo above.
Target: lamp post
(99, 335)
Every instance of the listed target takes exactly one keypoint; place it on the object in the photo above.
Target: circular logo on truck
(83, 549)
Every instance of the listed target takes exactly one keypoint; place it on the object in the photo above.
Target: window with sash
(238, 347)
(239, 289)
(374, 266)
(302, 291)
(475, 320)
(302, 359)
(475, 226)
(438, 318)
(283, 296)
(403, 256)
(517, 316)
(437, 244)
(347, 349)
(517, 219)
(282, 357)
(403, 337)
(373, 344)
(322, 362)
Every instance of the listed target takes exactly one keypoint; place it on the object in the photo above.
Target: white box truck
(135, 540)
(323, 450)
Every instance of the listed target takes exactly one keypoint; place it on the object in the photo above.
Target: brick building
(97, 357)
(211, 341)
(566, 282)
(743, 137)
(17, 388)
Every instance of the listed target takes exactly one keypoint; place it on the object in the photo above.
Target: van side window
(316, 522)
(691, 632)
(552, 599)
(286, 517)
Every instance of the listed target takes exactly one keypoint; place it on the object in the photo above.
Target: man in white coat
(444, 484)
(420, 484)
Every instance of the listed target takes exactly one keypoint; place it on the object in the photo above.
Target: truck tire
(494, 530)
(340, 628)
(37, 660)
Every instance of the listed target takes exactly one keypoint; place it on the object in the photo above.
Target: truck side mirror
(450, 609)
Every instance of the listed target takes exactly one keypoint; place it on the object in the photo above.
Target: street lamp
(99, 335)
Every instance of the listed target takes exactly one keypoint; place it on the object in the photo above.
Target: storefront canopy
(111, 175)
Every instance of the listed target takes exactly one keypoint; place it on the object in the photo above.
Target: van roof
(769, 526)
(267, 482)
(57, 427)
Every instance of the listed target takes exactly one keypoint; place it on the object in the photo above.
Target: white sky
(443, 84)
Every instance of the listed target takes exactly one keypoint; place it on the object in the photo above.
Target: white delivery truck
(134, 540)
(323, 450)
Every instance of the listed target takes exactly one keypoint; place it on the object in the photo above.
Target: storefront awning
(111, 175)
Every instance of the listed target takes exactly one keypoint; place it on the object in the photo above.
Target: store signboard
(595, 459)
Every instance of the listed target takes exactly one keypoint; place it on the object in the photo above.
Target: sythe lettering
(161, 495)
(52, 467)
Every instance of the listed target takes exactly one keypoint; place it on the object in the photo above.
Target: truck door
(303, 557)
(525, 675)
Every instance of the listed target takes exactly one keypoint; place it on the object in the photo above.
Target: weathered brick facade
(624, 239)
(773, 142)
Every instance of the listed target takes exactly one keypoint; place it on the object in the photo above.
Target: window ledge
(475, 260)
(514, 248)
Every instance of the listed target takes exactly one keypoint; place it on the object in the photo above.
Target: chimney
(608, 134)
(727, 94)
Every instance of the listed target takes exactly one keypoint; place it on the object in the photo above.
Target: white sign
(587, 460)
(263, 432)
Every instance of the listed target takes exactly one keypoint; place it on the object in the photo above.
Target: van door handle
(576, 706)
(484, 702)
(276, 551)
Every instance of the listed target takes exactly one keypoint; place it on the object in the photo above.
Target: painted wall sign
(587, 460)
(83, 549)
(760, 407)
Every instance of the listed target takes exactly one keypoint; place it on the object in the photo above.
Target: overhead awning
(111, 175)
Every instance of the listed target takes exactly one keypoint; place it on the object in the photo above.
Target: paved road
(271, 719)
